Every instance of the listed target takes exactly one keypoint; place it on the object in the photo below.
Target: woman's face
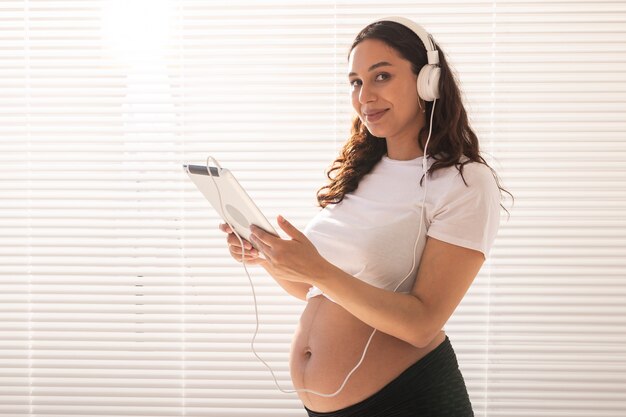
(384, 90)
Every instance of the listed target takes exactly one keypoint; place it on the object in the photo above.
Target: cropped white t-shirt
(371, 233)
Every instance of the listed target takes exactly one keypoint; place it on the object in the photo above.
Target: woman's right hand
(251, 256)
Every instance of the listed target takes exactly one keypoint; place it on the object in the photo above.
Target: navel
(307, 353)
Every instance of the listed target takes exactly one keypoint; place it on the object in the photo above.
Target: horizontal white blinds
(117, 293)
(118, 297)
(557, 314)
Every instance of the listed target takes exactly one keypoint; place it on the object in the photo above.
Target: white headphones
(428, 77)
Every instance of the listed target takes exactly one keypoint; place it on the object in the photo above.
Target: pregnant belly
(329, 343)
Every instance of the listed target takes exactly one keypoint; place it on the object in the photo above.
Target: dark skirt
(431, 387)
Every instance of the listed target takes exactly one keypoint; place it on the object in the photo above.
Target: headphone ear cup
(428, 82)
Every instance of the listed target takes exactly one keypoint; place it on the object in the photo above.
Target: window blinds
(117, 294)
(557, 311)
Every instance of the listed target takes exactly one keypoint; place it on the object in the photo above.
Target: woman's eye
(384, 76)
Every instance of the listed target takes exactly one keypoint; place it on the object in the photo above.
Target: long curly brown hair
(451, 137)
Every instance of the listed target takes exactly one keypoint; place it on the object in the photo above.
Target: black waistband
(431, 386)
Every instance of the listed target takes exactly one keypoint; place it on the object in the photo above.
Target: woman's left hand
(294, 259)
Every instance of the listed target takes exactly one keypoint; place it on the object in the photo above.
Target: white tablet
(239, 209)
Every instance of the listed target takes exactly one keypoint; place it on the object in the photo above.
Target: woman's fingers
(237, 250)
(251, 255)
(232, 239)
(235, 247)
(248, 257)
(234, 242)
(253, 261)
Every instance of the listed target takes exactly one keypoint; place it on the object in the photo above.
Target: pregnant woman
(404, 228)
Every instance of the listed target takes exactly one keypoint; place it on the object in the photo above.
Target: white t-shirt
(371, 233)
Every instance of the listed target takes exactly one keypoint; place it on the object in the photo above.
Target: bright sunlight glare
(137, 29)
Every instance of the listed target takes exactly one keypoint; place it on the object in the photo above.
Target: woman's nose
(366, 94)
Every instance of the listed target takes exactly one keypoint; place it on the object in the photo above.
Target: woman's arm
(445, 273)
(297, 289)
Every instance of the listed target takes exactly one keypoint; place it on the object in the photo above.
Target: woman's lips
(375, 116)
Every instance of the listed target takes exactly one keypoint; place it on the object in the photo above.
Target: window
(117, 294)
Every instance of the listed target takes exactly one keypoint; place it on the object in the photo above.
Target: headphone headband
(433, 54)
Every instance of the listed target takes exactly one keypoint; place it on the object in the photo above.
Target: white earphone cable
(256, 310)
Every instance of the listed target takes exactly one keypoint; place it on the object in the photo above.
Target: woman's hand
(294, 259)
(251, 255)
